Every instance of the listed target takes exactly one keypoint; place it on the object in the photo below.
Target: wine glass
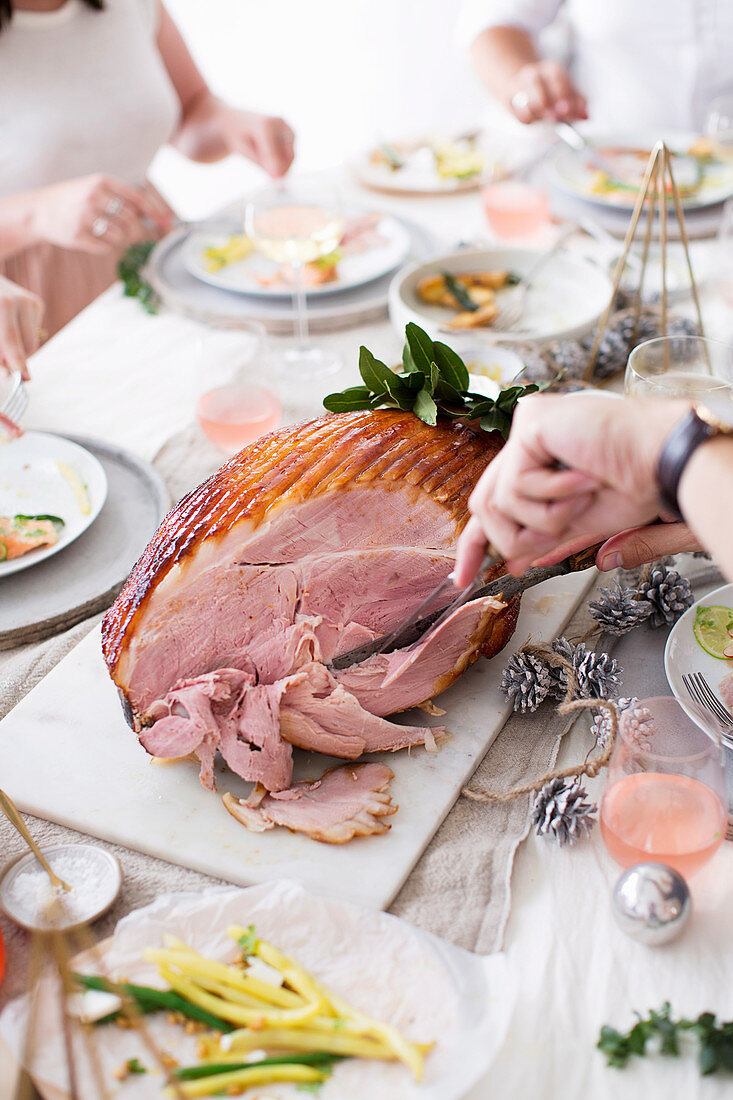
(296, 224)
(665, 796)
(237, 398)
(719, 126)
(680, 366)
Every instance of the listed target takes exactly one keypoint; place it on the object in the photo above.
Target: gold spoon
(8, 807)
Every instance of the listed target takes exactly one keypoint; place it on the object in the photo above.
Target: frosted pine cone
(525, 681)
(563, 812)
(601, 725)
(597, 675)
(618, 610)
(668, 593)
(569, 357)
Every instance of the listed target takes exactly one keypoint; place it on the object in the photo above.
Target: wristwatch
(702, 422)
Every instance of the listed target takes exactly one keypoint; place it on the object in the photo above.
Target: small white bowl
(106, 870)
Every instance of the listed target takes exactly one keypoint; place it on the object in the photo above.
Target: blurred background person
(96, 87)
(622, 64)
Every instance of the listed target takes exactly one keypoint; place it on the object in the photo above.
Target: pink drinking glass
(665, 796)
(515, 209)
(237, 397)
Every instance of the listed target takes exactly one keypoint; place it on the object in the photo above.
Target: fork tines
(699, 689)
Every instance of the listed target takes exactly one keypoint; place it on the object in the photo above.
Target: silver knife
(418, 623)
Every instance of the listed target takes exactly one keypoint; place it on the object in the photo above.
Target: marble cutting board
(66, 755)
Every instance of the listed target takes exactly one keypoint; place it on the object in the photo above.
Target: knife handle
(584, 559)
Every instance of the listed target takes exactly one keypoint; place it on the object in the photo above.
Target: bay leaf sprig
(715, 1040)
(434, 382)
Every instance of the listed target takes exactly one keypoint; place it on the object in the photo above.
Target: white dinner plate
(565, 300)
(32, 484)
(419, 176)
(683, 655)
(572, 173)
(353, 270)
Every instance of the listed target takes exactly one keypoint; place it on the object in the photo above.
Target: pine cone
(668, 593)
(683, 326)
(537, 368)
(525, 681)
(597, 675)
(613, 351)
(563, 812)
(569, 357)
(618, 610)
(601, 724)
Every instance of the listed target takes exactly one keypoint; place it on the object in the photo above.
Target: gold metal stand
(657, 186)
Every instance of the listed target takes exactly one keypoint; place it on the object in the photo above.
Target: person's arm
(531, 87)
(578, 470)
(208, 129)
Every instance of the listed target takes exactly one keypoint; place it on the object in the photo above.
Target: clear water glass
(680, 366)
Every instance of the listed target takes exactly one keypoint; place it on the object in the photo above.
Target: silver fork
(511, 304)
(700, 692)
(17, 402)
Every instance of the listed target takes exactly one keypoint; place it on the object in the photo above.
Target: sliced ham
(345, 802)
(310, 541)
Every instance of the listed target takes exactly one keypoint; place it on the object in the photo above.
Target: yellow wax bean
(295, 974)
(252, 1075)
(241, 1042)
(233, 1013)
(192, 964)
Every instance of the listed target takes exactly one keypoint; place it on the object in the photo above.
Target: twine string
(590, 767)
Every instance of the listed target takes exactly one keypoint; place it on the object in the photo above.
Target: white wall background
(342, 72)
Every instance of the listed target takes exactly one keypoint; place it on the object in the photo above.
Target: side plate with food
(702, 177)
(51, 490)
(371, 246)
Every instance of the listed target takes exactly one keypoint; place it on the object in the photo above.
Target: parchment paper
(429, 989)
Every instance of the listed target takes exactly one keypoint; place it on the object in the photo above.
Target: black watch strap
(678, 448)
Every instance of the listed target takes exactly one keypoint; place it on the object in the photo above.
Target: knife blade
(505, 587)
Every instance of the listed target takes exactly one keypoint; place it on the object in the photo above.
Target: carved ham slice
(345, 802)
(314, 539)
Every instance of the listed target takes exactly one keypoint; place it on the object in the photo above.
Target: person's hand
(576, 470)
(632, 548)
(99, 214)
(543, 91)
(21, 313)
(267, 141)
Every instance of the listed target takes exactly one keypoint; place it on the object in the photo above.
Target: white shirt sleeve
(529, 15)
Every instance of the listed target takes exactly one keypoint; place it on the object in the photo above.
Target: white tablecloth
(124, 376)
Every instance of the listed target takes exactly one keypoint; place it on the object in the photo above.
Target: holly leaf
(426, 408)
(415, 380)
(356, 397)
(452, 368)
(407, 361)
(376, 375)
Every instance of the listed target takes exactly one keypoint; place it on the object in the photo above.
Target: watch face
(717, 411)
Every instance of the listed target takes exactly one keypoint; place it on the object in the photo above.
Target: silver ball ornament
(651, 903)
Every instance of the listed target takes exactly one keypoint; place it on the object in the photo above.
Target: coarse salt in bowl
(27, 896)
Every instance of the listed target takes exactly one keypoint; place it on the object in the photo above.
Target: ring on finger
(114, 206)
(100, 226)
(520, 101)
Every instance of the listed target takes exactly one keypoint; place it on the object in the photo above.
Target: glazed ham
(311, 541)
(344, 803)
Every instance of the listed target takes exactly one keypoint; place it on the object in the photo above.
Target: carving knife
(418, 623)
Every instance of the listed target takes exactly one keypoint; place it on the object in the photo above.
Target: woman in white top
(641, 64)
(91, 90)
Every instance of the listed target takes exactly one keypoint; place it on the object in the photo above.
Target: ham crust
(332, 453)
